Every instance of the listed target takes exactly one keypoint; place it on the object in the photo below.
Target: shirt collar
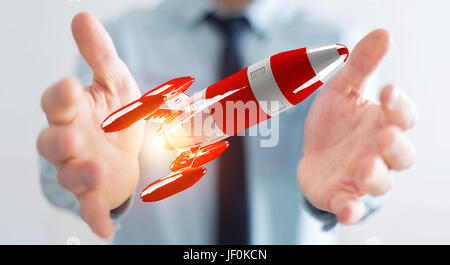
(263, 15)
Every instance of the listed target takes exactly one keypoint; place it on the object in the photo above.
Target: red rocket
(196, 125)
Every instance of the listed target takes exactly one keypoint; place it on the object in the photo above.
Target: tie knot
(228, 25)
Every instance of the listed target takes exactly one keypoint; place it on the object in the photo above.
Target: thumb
(365, 58)
(97, 48)
(347, 207)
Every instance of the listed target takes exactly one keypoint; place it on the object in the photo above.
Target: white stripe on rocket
(265, 88)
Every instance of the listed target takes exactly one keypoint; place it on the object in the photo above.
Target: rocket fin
(161, 115)
(198, 155)
(178, 102)
(172, 184)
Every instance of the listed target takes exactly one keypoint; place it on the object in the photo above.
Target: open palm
(101, 170)
(350, 144)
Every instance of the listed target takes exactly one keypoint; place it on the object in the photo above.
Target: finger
(59, 101)
(396, 150)
(365, 58)
(373, 176)
(398, 107)
(95, 211)
(347, 207)
(58, 144)
(97, 48)
(79, 177)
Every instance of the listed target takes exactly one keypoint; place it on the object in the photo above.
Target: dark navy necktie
(232, 190)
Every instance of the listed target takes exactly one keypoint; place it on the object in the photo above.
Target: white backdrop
(37, 49)
(418, 207)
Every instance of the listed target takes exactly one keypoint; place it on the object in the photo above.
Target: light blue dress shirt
(174, 40)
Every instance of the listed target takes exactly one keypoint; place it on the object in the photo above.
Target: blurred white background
(37, 49)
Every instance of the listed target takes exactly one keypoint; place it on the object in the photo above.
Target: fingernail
(395, 98)
(395, 147)
(59, 144)
(60, 94)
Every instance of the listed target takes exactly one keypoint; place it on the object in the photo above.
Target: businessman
(336, 149)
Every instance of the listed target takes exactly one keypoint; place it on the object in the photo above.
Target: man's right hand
(101, 170)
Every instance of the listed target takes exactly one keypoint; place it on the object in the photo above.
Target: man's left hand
(351, 144)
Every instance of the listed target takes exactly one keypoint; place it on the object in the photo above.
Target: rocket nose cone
(343, 51)
(326, 59)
